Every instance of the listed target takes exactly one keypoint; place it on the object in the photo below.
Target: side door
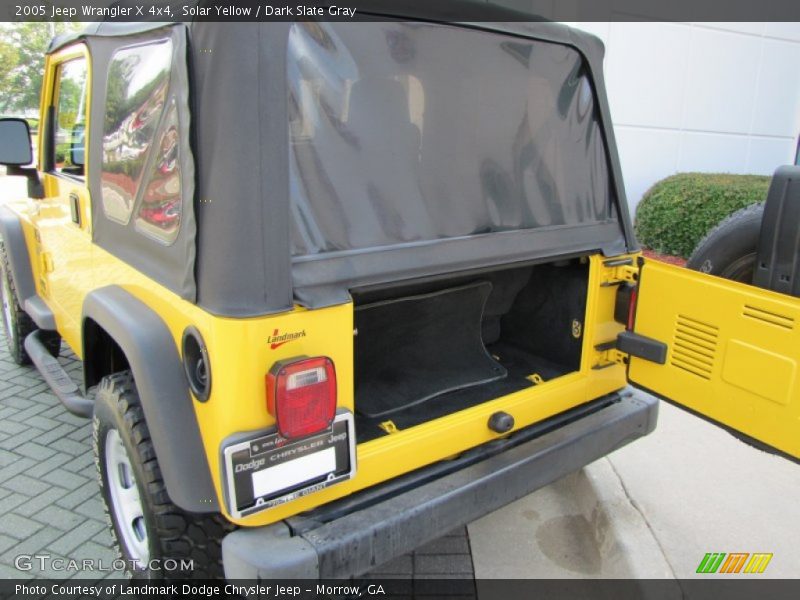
(724, 350)
(63, 220)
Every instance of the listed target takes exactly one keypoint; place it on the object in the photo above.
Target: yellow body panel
(240, 356)
(733, 351)
(60, 249)
(67, 266)
(732, 348)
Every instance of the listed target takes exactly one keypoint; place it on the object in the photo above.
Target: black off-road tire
(172, 534)
(16, 322)
(729, 250)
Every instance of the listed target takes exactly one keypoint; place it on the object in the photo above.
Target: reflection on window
(138, 81)
(159, 213)
(70, 118)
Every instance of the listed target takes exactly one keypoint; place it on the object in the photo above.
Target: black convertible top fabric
(173, 264)
(333, 156)
(338, 177)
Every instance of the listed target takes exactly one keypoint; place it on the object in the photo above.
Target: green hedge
(62, 152)
(678, 211)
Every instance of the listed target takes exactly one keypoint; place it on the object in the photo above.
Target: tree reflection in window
(70, 118)
(138, 82)
(159, 213)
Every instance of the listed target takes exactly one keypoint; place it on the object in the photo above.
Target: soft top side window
(140, 169)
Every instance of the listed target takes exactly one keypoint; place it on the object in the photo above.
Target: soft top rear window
(418, 132)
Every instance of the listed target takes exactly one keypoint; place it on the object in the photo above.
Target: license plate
(268, 470)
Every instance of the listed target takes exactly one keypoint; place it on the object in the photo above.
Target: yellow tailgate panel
(733, 351)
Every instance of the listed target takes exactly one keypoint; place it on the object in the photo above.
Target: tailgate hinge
(616, 274)
(608, 356)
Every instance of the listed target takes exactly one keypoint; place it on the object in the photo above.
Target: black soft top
(450, 11)
(287, 201)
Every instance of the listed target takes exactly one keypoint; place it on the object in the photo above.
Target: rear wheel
(16, 322)
(155, 538)
(729, 250)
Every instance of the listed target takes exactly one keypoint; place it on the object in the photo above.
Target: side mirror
(15, 143)
(15, 153)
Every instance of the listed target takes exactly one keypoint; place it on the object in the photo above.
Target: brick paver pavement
(49, 498)
(50, 502)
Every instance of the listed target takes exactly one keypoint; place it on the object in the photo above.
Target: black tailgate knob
(501, 422)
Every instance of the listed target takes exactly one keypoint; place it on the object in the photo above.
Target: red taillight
(632, 308)
(301, 395)
(625, 305)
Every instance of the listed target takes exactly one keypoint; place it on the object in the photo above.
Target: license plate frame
(263, 470)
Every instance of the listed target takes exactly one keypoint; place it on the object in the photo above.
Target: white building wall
(710, 97)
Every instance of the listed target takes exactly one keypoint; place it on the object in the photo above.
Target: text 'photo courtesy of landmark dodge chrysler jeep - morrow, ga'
(340, 288)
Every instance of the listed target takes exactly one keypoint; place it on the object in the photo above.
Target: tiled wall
(713, 97)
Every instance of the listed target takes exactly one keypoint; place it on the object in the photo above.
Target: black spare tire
(729, 250)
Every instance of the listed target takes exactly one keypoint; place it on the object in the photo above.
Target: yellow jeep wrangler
(339, 288)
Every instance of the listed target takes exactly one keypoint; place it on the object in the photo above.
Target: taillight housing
(632, 309)
(301, 395)
(625, 308)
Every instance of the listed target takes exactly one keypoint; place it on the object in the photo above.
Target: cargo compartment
(428, 349)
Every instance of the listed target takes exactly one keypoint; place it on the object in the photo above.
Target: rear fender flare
(157, 369)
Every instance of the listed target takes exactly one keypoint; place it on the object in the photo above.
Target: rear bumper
(356, 534)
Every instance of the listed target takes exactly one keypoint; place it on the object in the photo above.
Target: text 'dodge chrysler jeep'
(341, 287)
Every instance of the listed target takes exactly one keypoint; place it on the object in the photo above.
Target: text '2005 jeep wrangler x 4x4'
(339, 288)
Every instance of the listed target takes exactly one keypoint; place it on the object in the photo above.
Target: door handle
(75, 208)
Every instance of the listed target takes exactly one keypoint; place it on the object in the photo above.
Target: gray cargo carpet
(412, 350)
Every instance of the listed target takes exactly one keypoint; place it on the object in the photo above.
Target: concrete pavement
(650, 510)
(582, 526)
